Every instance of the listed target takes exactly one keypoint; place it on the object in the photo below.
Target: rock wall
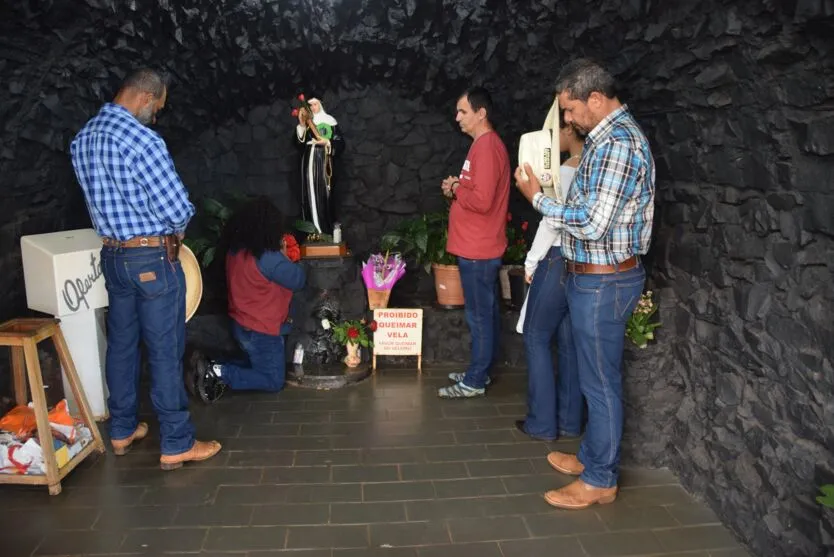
(735, 96)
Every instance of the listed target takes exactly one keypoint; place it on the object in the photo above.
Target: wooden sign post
(399, 332)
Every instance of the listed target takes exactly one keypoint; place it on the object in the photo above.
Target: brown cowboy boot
(201, 450)
(579, 495)
(122, 446)
(565, 463)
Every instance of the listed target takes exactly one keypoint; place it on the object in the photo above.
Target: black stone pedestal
(327, 376)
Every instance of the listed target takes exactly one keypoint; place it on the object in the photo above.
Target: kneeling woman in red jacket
(261, 276)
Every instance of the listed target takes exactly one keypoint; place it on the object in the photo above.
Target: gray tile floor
(384, 468)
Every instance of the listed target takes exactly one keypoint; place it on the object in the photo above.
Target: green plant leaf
(213, 207)
(208, 256)
(305, 226)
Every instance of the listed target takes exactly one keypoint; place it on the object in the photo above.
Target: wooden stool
(23, 336)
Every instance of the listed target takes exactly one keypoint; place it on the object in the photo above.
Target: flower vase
(352, 359)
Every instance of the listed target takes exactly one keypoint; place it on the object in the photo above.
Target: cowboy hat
(193, 281)
(540, 149)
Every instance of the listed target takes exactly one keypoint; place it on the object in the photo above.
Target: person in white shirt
(554, 402)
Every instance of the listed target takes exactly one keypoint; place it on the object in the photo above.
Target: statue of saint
(318, 134)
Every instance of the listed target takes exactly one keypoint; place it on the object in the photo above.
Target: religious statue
(319, 136)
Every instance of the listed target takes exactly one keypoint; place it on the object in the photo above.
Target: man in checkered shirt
(606, 224)
(139, 206)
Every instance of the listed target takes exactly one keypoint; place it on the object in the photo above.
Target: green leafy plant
(357, 331)
(827, 497)
(638, 328)
(211, 220)
(423, 239)
(516, 243)
(309, 229)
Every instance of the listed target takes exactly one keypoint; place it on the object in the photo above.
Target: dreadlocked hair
(256, 227)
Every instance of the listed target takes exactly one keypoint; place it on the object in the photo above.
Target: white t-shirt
(546, 235)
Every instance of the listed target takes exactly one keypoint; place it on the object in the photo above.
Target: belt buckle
(143, 242)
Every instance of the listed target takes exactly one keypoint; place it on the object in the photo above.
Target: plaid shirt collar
(603, 129)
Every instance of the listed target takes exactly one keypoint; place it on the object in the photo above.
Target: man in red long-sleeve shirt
(477, 236)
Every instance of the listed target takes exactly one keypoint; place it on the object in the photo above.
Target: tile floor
(383, 468)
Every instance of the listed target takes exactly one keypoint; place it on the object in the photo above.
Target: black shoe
(519, 425)
(201, 379)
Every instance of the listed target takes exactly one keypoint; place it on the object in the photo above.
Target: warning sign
(399, 332)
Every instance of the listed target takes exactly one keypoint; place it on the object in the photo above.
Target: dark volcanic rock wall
(397, 152)
(737, 98)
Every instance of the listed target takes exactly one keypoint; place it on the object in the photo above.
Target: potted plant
(511, 275)
(354, 333)
(423, 238)
(210, 224)
(638, 328)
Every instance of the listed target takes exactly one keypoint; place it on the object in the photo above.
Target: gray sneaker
(457, 377)
(459, 390)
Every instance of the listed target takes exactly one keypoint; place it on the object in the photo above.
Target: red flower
(289, 240)
(295, 113)
(524, 226)
(353, 332)
(372, 326)
(301, 97)
(509, 217)
(294, 254)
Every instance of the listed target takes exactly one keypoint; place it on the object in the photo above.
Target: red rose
(295, 113)
(289, 240)
(301, 97)
(353, 332)
(372, 326)
(509, 217)
(524, 226)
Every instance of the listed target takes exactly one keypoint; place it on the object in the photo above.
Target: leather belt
(138, 242)
(594, 269)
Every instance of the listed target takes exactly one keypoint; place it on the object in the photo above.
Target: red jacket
(478, 216)
(260, 290)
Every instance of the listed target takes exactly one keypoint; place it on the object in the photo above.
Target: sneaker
(457, 377)
(459, 390)
(204, 381)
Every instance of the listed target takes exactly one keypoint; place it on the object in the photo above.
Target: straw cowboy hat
(540, 149)
(193, 281)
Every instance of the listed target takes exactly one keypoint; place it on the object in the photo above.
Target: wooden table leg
(19, 372)
(33, 367)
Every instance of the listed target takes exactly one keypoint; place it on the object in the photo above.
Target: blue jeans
(554, 403)
(266, 368)
(479, 278)
(600, 306)
(147, 300)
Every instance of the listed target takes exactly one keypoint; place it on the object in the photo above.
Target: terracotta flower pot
(518, 287)
(448, 285)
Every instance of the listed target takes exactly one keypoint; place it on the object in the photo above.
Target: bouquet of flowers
(355, 331)
(380, 273)
(302, 105)
(291, 248)
(638, 328)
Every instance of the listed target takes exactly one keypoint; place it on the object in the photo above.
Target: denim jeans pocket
(626, 298)
(587, 284)
(152, 276)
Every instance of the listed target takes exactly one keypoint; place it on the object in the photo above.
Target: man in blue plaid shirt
(606, 224)
(140, 208)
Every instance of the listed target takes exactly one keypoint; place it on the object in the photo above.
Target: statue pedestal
(322, 249)
(329, 279)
